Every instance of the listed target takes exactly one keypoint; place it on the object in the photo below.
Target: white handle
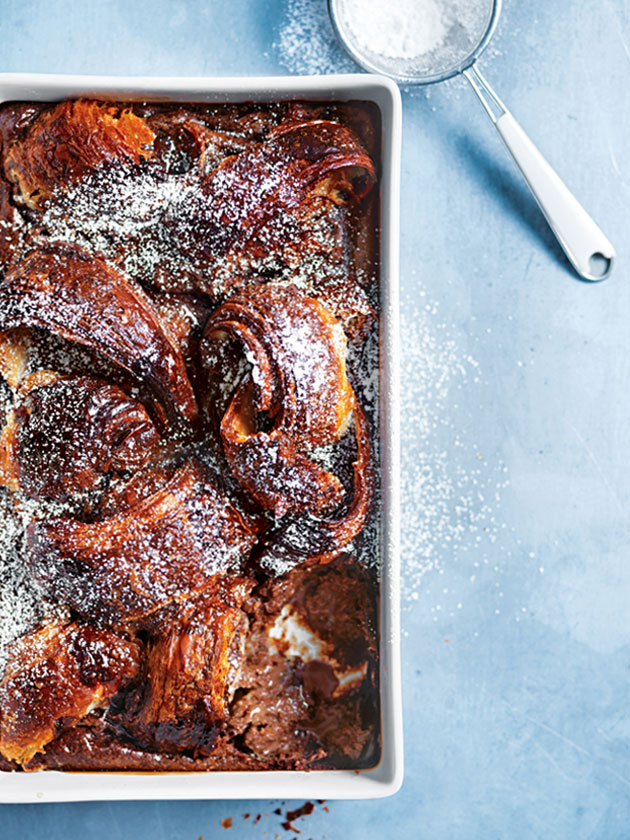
(586, 246)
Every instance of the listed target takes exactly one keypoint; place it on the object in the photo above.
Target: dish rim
(386, 778)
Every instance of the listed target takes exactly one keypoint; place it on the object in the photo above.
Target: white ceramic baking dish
(386, 778)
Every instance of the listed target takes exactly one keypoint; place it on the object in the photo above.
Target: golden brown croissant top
(298, 397)
(70, 141)
(174, 543)
(68, 432)
(83, 299)
(55, 676)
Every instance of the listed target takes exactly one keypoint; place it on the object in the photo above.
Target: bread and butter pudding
(189, 492)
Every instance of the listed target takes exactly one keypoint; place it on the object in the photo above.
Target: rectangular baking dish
(386, 778)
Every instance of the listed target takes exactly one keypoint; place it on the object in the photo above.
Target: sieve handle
(584, 243)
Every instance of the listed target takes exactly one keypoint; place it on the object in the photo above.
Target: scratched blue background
(519, 726)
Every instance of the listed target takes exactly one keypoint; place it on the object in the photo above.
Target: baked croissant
(68, 432)
(310, 245)
(55, 676)
(299, 384)
(191, 670)
(185, 142)
(298, 398)
(170, 546)
(247, 191)
(319, 539)
(82, 298)
(14, 352)
(70, 141)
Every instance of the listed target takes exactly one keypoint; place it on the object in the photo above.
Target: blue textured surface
(519, 725)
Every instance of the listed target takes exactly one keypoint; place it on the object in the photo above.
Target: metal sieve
(586, 246)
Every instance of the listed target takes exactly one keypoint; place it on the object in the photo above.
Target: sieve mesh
(450, 34)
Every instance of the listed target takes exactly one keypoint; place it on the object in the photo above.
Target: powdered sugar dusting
(307, 43)
(120, 214)
(415, 38)
(403, 29)
(21, 604)
(450, 492)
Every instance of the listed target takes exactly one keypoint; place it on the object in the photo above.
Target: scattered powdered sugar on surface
(450, 491)
(21, 604)
(120, 214)
(307, 43)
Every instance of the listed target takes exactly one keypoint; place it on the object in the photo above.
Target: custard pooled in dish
(188, 358)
